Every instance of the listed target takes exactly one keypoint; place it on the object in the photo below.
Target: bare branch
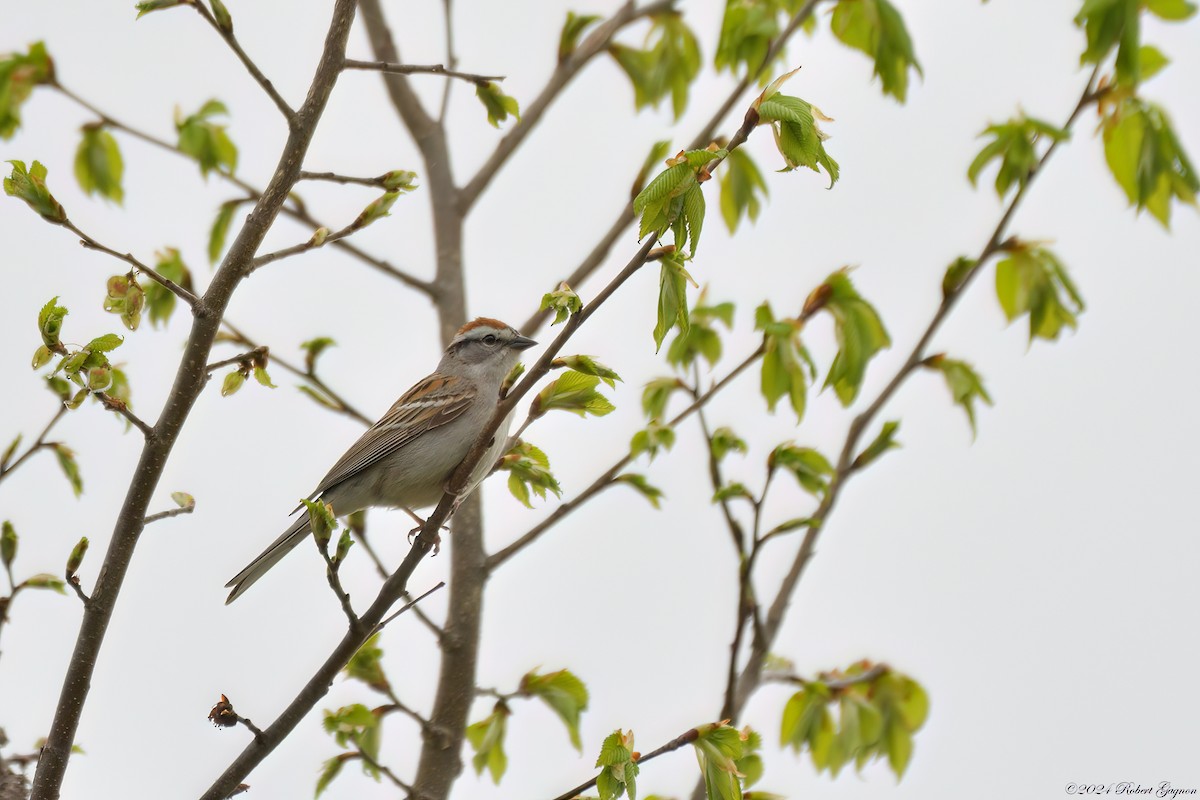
(120, 407)
(410, 604)
(91, 244)
(173, 512)
(451, 58)
(333, 177)
(418, 69)
(595, 44)
(227, 34)
(73, 582)
(260, 353)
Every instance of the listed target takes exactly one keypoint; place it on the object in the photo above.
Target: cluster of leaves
(86, 367)
(30, 185)
(499, 106)
(253, 363)
(19, 74)
(674, 201)
(666, 65)
(1014, 145)
(748, 30)
(1147, 158)
(876, 28)
(787, 368)
(798, 138)
(575, 390)
(729, 762)
(528, 470)
(99, 167)
(700, 339)
(561, 691)
(1031, 280)
(160, 301)
(809, 467)
(875, 718)
(563, 301)
(859, 331)
(360, 730)
(965, 384)
(205, 140)
(1117, 23)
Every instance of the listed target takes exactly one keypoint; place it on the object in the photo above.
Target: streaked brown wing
(431, 403)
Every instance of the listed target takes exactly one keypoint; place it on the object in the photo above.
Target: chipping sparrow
(406, 457)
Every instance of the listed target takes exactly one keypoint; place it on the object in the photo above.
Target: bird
(405, 459)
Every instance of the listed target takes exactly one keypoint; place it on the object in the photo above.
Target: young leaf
(964, 383)
(1014, 144)
(701, 338)
(206, 141)
(70, 467)
(886, 440)
(798, 138)
(748, 29)
(667, 65)
(718, 748)
(75, 559)
(50, 321)
(183, 499)
(19, 74)
(10, 451)
(1033, 281)
(619, 771)
(743, 188)
(860, 336)
(159, 300)
(8, 544)
(574, 392)
(529, 468)
(366, 665)
(784, 361)
(588, 366)
(378, 208)
(672, 298)
(233, 381)
(329, 771)
(98, 164)
(1147, 159)
(220, 230)
(564, 693)
(487, 740)
(651, 439)
(45, 581)
(876, 28)
(956, 273)
(656, 395)
(321, 520)
(563, 302)
(30, 186)
(725, 441)
(147, 6)
(811, 469)
(653, 494)
(572, 29)
(499, 105)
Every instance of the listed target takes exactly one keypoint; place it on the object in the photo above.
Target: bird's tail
(268, 558)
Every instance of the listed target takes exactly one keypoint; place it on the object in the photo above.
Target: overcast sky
(1040, 581)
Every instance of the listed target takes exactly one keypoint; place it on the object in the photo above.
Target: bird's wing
(431, 403)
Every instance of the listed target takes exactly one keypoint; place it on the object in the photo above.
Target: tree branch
(333, 177)
(190, 379)
(418, 69)
(227, 34)
(39, 444)
(595, 44)
(119, 407)
(685, 738)
(175, 289)
(172, 512)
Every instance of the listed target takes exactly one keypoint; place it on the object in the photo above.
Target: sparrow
(405, 459)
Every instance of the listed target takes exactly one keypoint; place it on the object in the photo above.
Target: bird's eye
(490, 339)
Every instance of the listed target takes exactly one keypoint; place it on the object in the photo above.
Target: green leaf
(160, 301)
(731, 491)
(798, 137)
(619, 771)
(319, 398)
(1171, 10)
(651, 439)
(399, 180)
(19, 74)
(70, 467)
(718, 748)
(743, 189)
(662, 203)
(233, 381)
(263, 378)
(183, 499)
(672, 298)
(147, 6)
(529, 469)
(701, 338)
(206, 141)
(667, 65)
(1151, 61)
(499, 106)
(964, 383)
(748, 29)
(588, 365)
(30, 186)
(220, 230)
(656, 394)
(574, 392)
(1015, 145)
(98, 164)
(572, 29)
(725, 441)
(564, 693)
(1147, 159)
(956, 273)
(653, 494)
(811, 469)
(876, 28)
(45, 581)
(321, 519)
(366, 665)
(329, 771)
(658, 152)
(784, 361)
(8, 543)
(860, 336)
(1031, 280)
(313, 349)
(886, 440)
(378, 208)
(563, 302)
(487, 740)
(50, 321)
(10, 451)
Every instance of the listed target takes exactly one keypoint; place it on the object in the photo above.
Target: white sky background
(1040, 582)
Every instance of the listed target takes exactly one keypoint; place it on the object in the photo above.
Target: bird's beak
(522, 343)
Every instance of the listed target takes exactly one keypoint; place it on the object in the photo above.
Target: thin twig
(451, 58)
(833, 684)
(410, 604)
(396, 705)
(335, 583)
(382, 770)
(333, 177)
(288, 112)
(257, 354)
(73, 582)
(120, 407)
(420, 69)
(174, 512)
(676, 743)
(313, 243)
(39, 444)
(167, 283)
